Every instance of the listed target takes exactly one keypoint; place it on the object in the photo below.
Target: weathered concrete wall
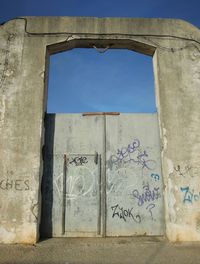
(179, 93)
(24, 48)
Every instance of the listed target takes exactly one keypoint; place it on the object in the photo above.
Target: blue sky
(84, 80)
(89, 81)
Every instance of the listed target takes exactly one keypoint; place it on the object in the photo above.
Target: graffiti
(114, 186)
(183, 171)
(133, 154)
(17, 185)
(80, 181)
(78, 186)
(147, 195)
(118, 181)
(155, 176)
(189, 195)
(149, 208)
(114, 182)
(124, 152)
(79, 161)
(34, 209)
(187, 171)
(123, 214)
(57, 184)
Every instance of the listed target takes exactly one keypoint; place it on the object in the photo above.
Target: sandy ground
(102, 250)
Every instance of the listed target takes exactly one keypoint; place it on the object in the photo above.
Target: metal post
(64, 193)
(104, 179)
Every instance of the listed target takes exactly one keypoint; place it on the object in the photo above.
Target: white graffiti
(80, 181)
(117, 180)
(57, 185)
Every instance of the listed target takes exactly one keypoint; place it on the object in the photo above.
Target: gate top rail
(100, 113)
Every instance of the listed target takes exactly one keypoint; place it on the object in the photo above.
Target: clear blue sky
(84, 80)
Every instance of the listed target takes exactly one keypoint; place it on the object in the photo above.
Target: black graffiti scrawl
(124, 214)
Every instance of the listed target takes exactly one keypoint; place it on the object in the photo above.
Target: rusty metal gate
(102, 176)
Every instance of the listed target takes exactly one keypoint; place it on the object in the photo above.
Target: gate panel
(71, 195)
(133, 174)
(82, 203)
(86, 193)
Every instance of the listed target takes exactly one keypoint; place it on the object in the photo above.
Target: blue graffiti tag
(189, 195)
(155, 176)
(149, 208)
(133, 153)
(146, 195)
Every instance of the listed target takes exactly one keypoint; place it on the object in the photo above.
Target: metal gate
(102, 176)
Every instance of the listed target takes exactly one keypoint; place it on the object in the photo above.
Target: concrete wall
(25, 45)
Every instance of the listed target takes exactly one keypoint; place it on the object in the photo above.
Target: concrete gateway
(99, 174)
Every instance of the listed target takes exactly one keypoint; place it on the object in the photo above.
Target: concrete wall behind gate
(25, 45)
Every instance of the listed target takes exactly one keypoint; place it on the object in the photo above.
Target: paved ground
(102, 250)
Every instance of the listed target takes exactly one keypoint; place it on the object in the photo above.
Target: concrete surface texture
(102, 251)
(25, 46)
